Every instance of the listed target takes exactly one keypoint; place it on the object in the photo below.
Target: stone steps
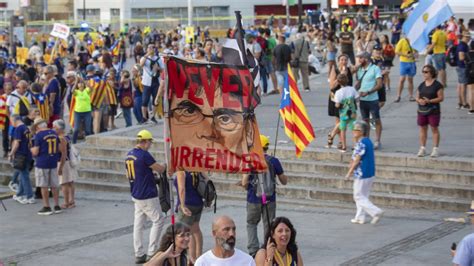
(382, 158)
(299, 178)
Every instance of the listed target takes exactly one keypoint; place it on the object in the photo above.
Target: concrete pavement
(99, 232)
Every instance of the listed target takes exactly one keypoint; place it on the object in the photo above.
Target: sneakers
(376, 218)
(20, 199)
(355, 221)
(465, 107)
(471, 112)
(13, 186)
(45, 211)
(397, 100)
(421, 152)
(377, 145)
(57, 209)
(307, 90)
(140, 260)
(153, 119)
(31, 200)
(434, 152)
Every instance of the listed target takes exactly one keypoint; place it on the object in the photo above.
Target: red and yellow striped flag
(42, 102)
(293, 112)
(111, 96)
(71, 111)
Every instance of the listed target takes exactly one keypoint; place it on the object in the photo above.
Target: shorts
(368, 108)
(195, 217)
(431, 119)
(280, 78)
(382, 94)
(268, 65)
(344, 124)
(331, 56)
(113, 110)
(69, 174)
(149, 91)
(462, 78)
(46, 177)
(439, 61)
(407, 69)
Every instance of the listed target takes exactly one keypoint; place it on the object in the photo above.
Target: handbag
(126, 99)
(359, 81)
(19, 162)
(295, 63)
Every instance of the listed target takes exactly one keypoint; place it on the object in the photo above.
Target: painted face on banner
(211, 117)
(210, 127)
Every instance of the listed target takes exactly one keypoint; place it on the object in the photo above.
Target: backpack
(267, 179)
(389, 52)
(205, 188)
(74, 156)
(452, 57)
(164, 194)
(263, 44)
(22, 107)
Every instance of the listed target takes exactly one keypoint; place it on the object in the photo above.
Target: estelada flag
(71, 111)
(42, 102)
(98, 90)
(211, 118)
(293, 112)
(115, 49)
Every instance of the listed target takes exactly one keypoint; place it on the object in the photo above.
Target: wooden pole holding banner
(167, 147)
(276, 135)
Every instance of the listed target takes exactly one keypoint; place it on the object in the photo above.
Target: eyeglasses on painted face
(184, 235)
(225, 119)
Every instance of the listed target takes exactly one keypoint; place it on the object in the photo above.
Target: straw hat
(38, 121)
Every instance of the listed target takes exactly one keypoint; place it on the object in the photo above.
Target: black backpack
(206, 189)
(164, 193)
(267, 179)
(452, 57)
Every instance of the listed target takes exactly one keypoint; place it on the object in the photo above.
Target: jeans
(127, 114)
(24, 188)
(264, 78)
(85, 117)
(137, 108)
(5, 137)
(255, 212)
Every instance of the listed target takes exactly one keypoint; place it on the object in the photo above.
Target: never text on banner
(211, 120)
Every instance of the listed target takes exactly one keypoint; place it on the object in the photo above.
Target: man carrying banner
(256, 208)
(140, 165)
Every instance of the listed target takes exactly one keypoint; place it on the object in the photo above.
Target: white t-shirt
(344, 93)
(12, 100)
(148, 71)
(239, 258)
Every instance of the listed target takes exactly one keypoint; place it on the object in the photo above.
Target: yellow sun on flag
(426, 16)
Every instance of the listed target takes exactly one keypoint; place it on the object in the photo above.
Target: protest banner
(212, 125)
(60, 31)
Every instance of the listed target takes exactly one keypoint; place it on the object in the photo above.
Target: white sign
(60, 31)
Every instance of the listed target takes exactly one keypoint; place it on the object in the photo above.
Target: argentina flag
(424, 18)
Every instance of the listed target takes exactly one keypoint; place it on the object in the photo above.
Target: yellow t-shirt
(439, 42)
(403, 46)
(83, 100)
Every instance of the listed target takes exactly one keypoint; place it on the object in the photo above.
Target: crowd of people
(85, 83)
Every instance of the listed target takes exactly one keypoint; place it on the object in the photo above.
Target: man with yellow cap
(140, 165)
(260, 192)
(465, 252)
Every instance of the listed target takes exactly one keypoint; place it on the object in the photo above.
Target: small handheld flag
(293, 112)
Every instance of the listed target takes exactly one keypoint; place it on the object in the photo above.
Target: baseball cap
(90, 68)
(264, 140)
(377, 47)
(144, 135)
(363, 54)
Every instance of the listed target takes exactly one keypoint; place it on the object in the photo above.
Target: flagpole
(167, 144)
(287, 7)
(276, 135)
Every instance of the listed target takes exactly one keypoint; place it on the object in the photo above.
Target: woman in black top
(429, 96)
(172, 252)
(341, 68)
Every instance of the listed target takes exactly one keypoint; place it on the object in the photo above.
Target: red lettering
(246, 159)
(209, 159)
(257, 163)
(247, 85)
(209, 84)
(174, 157)
(234, 163)
(184, 158)
(221, 159)
(231, 83)
(197, 157)
(194, 83)
(176, 79)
